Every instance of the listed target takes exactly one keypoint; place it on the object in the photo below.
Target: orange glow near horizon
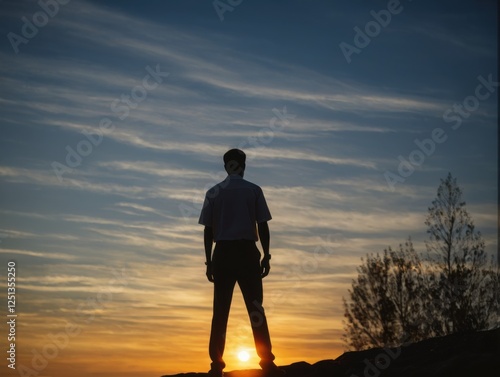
(154, 324)
(87, 357)
(152, 343)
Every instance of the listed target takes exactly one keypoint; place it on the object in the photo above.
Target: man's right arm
(208, 238)
(265, 239)
(264, 236)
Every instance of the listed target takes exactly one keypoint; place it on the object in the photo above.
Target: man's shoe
(215, 373)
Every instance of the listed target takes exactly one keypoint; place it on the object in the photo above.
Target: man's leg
(251, 288)
(224, 282)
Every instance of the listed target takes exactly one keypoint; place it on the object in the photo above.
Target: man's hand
(210, 273)
(265, 267)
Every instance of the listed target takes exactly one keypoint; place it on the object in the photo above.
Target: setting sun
(243, 356)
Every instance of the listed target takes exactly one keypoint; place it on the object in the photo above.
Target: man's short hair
(234, 160)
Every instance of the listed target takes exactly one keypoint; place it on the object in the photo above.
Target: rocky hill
(459, 355)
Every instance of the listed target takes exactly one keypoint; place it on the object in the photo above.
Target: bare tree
(384, 309)
(401, 297)
(462, 286)
(407, 282)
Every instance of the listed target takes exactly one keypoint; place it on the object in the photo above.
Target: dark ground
(460, 355)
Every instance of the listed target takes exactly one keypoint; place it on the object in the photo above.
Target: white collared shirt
(232, 208)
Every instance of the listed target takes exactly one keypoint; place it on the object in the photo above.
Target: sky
(115, 116)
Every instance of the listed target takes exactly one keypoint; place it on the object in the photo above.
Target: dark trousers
(238, 261)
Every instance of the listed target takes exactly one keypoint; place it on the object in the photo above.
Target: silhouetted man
(235, 215)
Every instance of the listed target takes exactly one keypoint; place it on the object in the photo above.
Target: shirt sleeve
(206, 217)
(262, 212)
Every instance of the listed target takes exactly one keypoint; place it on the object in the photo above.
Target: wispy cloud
(37, 254)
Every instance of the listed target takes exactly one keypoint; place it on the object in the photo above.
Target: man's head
(234, 161)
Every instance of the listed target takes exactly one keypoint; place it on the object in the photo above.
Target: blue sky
(321, 133)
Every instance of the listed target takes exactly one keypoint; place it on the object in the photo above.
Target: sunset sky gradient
(109, 254)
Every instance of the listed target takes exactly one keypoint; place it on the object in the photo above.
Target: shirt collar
(234, 176)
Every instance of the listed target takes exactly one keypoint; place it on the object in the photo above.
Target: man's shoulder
(218, 187)
(232, 183)
(215, 188)
(251, 184)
